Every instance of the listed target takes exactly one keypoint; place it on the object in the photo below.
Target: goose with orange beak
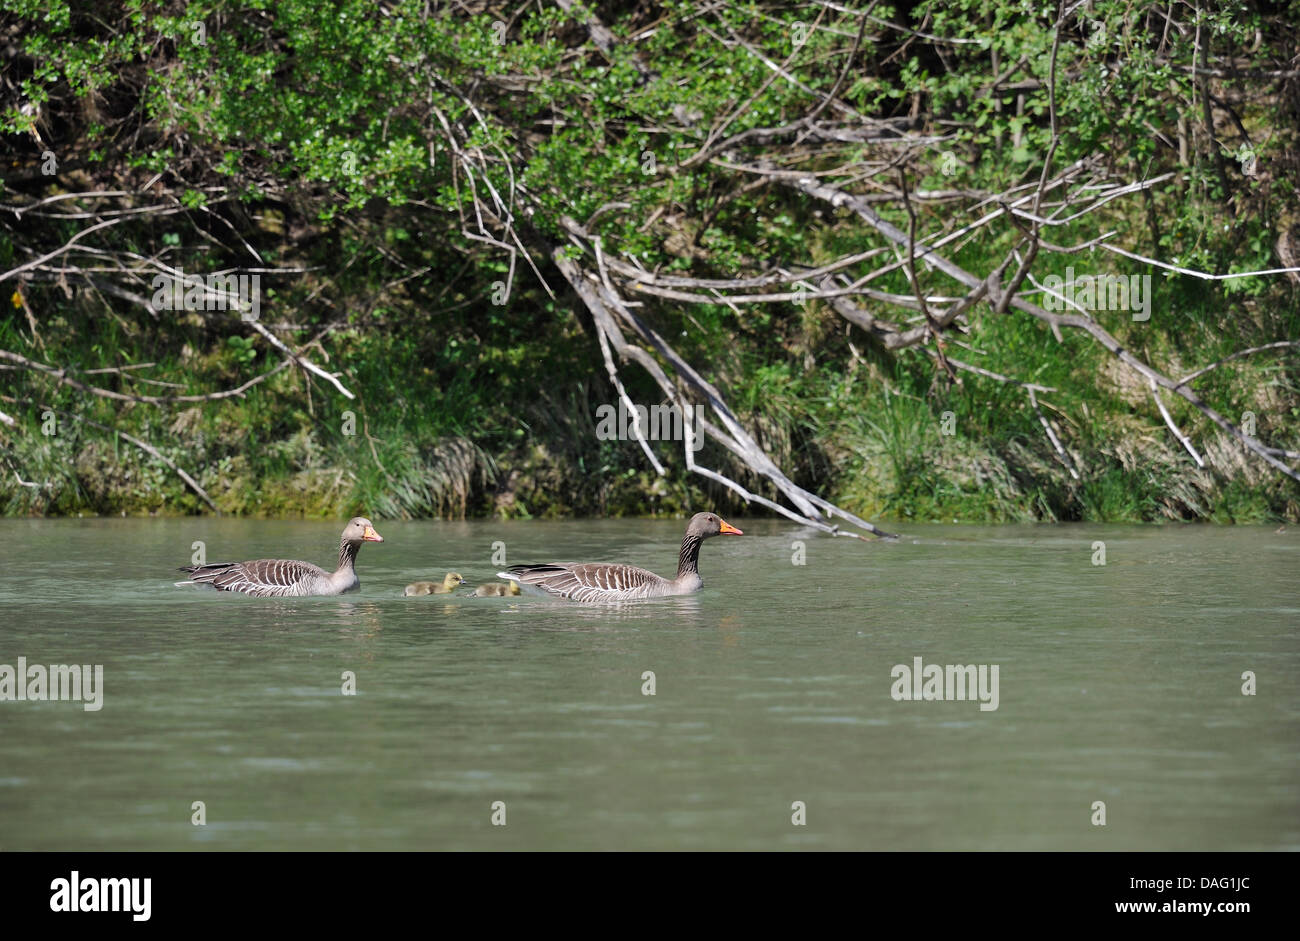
(607, 581)
(271, 578)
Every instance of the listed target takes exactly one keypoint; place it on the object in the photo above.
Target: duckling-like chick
(449, 584)
(497, 590)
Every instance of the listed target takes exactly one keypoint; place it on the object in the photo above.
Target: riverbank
(379, 283)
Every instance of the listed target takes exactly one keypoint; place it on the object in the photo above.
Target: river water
(772, 724)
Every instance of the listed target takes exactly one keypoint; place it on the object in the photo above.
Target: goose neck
(688, 562)
(348, 555)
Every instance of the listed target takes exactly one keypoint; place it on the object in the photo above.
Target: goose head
(359, 530)
(704, 525)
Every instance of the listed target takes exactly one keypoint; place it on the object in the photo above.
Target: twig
(61, 376)
(142, 445)
(1280, 344)
(1051, 435)
(1169, 420)
(301, 360)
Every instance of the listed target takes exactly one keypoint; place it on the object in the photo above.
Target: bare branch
(142, 445)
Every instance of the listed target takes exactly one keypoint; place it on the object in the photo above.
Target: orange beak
(369, 535)
(727, 529)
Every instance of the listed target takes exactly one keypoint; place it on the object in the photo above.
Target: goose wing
(262, 577)
(589, 581)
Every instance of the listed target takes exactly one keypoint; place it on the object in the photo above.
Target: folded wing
(590, 581)
(265, 578)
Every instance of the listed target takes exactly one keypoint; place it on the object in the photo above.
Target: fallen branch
(607, 308)
(839, 198)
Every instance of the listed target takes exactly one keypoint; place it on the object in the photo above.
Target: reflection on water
(1119, 683)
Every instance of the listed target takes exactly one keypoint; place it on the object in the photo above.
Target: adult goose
(279, 578)
(604, 581)
(449, 583)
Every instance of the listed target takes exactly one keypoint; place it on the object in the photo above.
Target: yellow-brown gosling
(497, 590)
(450, 583)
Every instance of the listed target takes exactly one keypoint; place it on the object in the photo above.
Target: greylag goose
(497, 590)
(449, 584)
(603, 581)
(278, 578)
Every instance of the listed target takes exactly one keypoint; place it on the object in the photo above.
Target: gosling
(497, 590)
(449, 584)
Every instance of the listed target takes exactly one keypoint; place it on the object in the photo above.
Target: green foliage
(319, 137)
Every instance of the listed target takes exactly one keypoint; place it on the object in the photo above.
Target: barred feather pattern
(595, 581)
(266, 578)
(607, 582)
(280, 578)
